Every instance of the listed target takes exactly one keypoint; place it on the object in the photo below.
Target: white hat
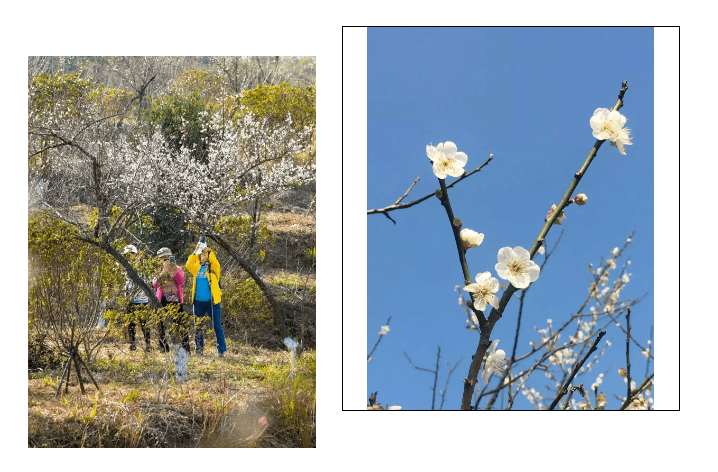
(164, 252)
(129, 248)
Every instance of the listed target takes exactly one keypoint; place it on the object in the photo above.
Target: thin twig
(407, 192)
(435, 372)
(377, 341)
(446, 387)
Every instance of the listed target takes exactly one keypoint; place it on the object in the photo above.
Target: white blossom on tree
(484, 289)
(446, 159)
(516, 266)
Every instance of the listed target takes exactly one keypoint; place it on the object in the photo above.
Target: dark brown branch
(564, 389)
(397, 206)
(131, 272)
(278, 315)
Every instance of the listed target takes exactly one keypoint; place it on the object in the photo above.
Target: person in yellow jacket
(206, 295)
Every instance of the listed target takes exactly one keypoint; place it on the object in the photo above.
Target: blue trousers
(214, 312)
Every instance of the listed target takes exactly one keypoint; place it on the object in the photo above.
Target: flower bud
(470, 238)
(580, 199)
(457, 222)
(439, 194)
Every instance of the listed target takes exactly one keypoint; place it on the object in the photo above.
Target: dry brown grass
(141, 406)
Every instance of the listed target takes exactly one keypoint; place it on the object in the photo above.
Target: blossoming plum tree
(560, 360)
(83, 140)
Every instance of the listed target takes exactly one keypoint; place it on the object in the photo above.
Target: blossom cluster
(241, 163)
(514, 264)
(607, 298)
(535, 397)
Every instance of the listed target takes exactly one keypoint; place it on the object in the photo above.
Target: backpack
(219, 280)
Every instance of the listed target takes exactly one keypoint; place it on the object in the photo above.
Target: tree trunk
(278, 317)
(131, 272)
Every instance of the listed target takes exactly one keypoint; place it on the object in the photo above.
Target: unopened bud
(457, 222)
(580, 199)
(471, 238)
(439, 194)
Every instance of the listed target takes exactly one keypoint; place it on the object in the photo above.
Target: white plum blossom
(609, 125)
(495, 362)
(252, 156)
(516, 266)
(384, 330)
(470, 238)
(614, 251)
(484, 290)
(446, 159)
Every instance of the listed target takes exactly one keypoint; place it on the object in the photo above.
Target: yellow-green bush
(275, 101)
(243, 304)
(294, 387)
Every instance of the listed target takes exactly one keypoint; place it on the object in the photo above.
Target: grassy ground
(225, 403)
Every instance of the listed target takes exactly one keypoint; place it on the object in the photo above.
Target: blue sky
(526, 95)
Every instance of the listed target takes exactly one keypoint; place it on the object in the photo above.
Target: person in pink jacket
(168, 286)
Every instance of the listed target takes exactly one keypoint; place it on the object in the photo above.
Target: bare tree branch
(397, 206)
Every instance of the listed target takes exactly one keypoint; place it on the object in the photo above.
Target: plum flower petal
(495, 362)
(610, 125)
(484, 290)
(560, 216)
(446, 159)
(516, 266)
(471, 238)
